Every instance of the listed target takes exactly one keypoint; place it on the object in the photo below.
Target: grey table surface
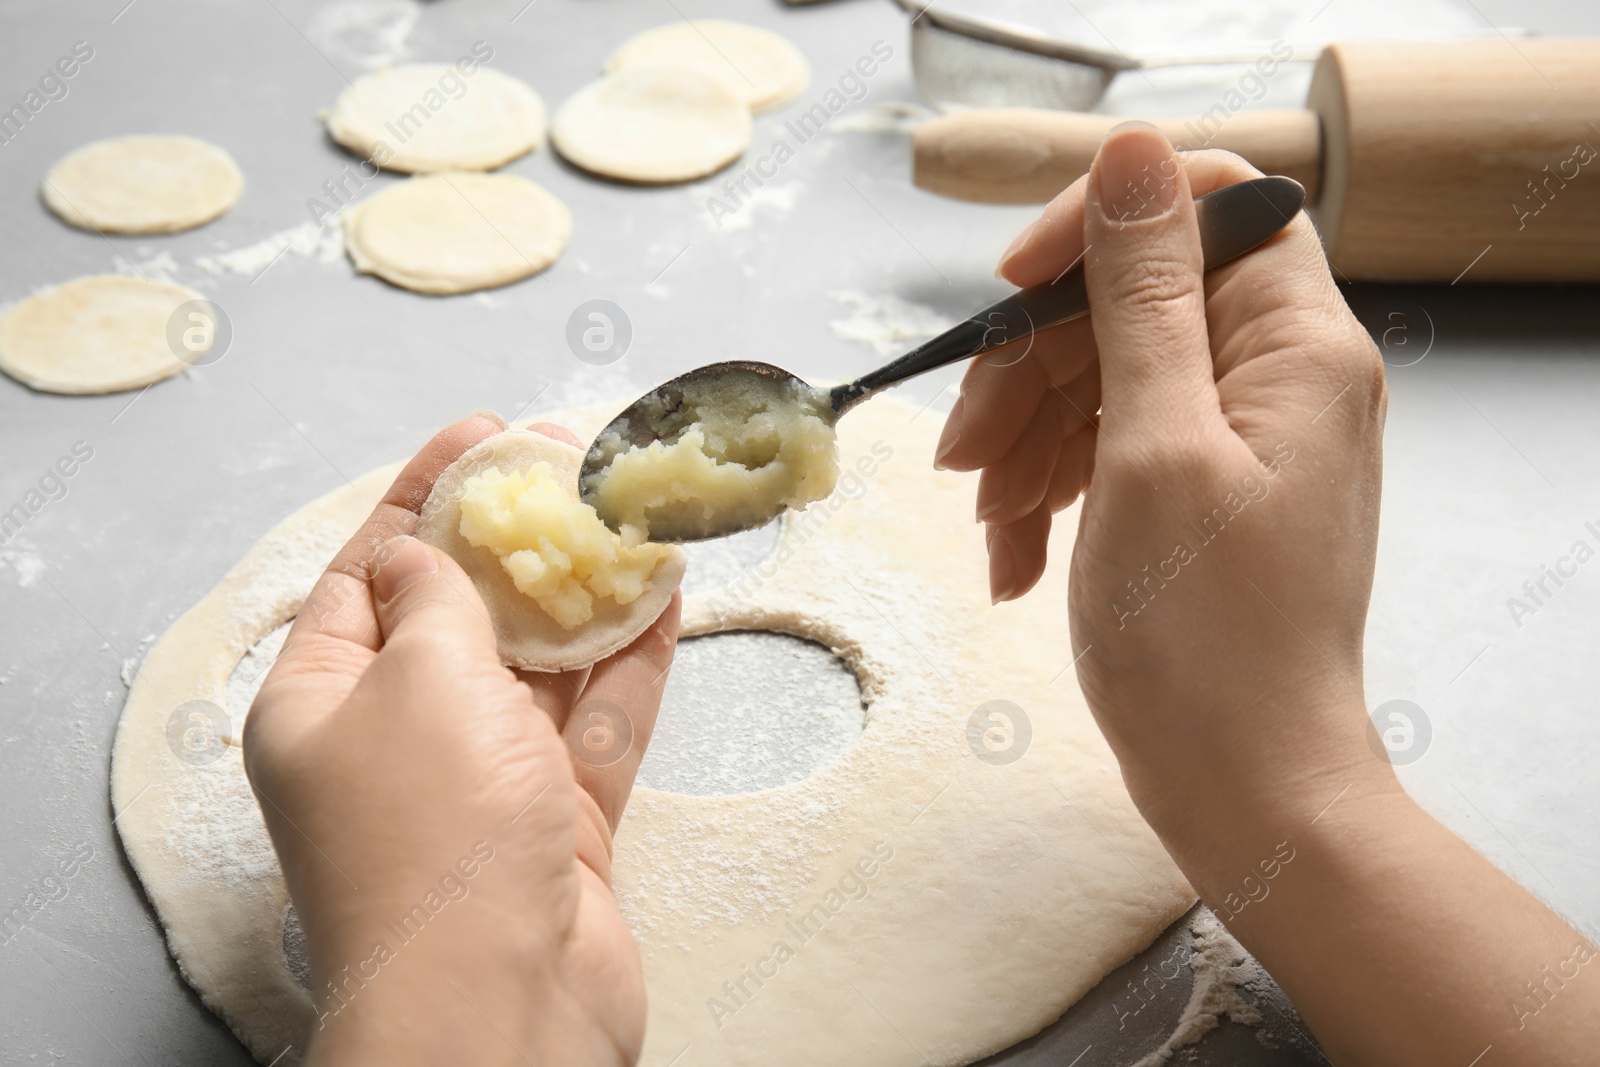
(1491, 471)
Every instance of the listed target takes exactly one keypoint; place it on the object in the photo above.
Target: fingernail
(399, 562)
(492, 416)
(1135, 173)
(951, 436)
(1002, 569)
(1011, 249)
(991, 491)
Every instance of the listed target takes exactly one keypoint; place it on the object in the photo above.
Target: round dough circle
(763, 69)
(100, 334)
(1026, 881)
(528, 637)
(457, 232)
(656, 125)
(143, 184)
(386, 117)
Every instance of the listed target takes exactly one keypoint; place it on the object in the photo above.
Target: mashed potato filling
(554, 547)
(731, 460)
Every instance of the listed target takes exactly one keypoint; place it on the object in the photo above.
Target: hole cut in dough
(747, 710)
(143, 184)
(101, 334)
(429, 117)
(761, 68)
(458, 232)
(653, 125)
(530, 638)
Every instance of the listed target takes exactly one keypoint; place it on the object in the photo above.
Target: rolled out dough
(100, 334)
(457, 232)
(428, 117)
(528, 637)
(763, 69)
(932, 905)
(656, 125)
(143, 184)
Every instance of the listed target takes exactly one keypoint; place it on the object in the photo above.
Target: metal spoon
(1232, 221)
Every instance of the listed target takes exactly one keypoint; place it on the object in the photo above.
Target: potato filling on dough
(555, 547)
(741, 458)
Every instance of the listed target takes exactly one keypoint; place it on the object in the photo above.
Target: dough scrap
(457, 232)
(1030, 879)
(763, 69)
(656, 125)
(143, 184)
(100, 334)
(388, 117)
(529, 638)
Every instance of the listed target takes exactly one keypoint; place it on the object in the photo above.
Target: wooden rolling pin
(1422, 159)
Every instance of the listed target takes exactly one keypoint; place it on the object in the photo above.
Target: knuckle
(1155, 286)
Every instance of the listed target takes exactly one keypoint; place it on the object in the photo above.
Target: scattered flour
(25, 564)
(778, 199)
(888, 323)
(130, 666)
(892, 117)
(325, 244)
(368, 33)
(157, 268)
(245, 681)
(1221, 969)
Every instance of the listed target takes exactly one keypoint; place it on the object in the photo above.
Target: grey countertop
(1490, 447)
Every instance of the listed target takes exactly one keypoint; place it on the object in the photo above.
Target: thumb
(1144, 274)
(419, 589)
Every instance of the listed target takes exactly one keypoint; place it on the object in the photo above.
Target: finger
(1001, 392)
(554, 692)
(1017, 553)
(1054, 243)
(1143, 268)
(613, 719)
(425, 599)
(557, 431)
(1015, 484)
(1071, 474)
(340, 605)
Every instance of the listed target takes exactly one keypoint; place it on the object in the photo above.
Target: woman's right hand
(1219, 592)
(1225, 549)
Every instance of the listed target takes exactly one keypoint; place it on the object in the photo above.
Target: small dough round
(144, 184)
(528, 637)
(765, 70)
(457, 232)
(101, 334)
(657, 125)
(389, 117)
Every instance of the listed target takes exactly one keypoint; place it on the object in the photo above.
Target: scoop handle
(1232, 220)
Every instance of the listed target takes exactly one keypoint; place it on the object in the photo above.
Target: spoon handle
(1232, 221)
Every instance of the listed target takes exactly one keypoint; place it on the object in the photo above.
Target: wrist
(422, 1010)
(1227, 808)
